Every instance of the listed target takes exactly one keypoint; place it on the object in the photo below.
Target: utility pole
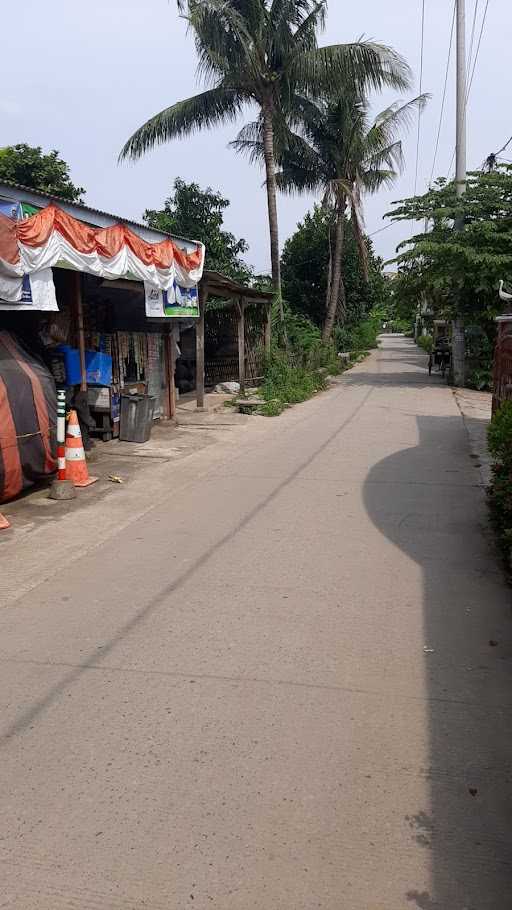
(460, 173)
(458, 344)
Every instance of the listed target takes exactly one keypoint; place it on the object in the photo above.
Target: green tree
(339, 152)
(199, 215)
(456, 273)
(29, 166)
(305, 269)
(264, 52)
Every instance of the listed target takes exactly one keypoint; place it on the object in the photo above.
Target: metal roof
(78, 210)
(219, 285)
(222, 286)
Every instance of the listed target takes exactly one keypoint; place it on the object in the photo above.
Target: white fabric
(42, 291)
(154, 301)
(58, 252)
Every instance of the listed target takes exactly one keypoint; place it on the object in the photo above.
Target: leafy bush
(500, 492)
(272, 408)
(302, 334)
(480, 379)
(499, 435)
(361, 337)
(300, 363)
(426, 342)
(289, 381)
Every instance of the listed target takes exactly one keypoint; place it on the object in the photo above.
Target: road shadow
(428, 500)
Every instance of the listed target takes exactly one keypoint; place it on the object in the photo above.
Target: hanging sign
(178, 302)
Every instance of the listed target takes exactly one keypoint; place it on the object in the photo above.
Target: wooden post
(172, 369)
(79, 311)
(203, 298)
(268, 329)
(241, 344)
(168, 374)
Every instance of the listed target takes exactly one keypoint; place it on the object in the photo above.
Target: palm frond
(252, 148)
(358, 233)
(224, 38)
(376, 178)
(361, 64)
(299, 181)
(209, 108)
(292, 11)
(305, 36)
(378, 155)
(399, 114)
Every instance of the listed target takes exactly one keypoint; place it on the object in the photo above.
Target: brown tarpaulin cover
(28, 417)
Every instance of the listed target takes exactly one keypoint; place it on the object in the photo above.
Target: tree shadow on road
(429, 502)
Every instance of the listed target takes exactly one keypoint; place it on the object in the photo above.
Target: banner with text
(178, 302)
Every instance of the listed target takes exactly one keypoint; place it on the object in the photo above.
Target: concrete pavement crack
(254, 680)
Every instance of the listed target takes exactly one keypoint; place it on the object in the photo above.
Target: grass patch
(295, 375)
(360, 337)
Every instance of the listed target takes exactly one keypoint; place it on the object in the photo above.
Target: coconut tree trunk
(270, 168)
(329, 273)
(361, 245)
(330, 315)
(341, 312)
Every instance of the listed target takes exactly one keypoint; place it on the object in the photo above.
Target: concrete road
(275, 689)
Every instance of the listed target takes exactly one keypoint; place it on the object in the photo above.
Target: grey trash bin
(136, 417)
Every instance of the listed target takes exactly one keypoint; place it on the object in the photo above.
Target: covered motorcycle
(28, 418)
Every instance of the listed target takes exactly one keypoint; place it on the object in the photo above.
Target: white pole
(460, 173)
(458, 342)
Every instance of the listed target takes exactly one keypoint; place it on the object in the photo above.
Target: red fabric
(13, 475)
(107, 242)
(8, 243)
(40, 405)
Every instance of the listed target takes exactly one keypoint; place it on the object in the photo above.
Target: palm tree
(338, 151)
(264, 52)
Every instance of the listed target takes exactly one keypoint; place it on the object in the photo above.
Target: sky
(81, 77)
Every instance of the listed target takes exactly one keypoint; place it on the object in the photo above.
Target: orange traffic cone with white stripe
(76, 465)
(4, 524)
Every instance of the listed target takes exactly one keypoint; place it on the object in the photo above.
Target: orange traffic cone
(76, 465)
(4, 524)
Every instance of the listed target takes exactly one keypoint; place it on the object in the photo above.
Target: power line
(504, 147)
(443, 103)
(379, 231)
(482, 27)
(473, 30)
(420, 92)
(484, 17)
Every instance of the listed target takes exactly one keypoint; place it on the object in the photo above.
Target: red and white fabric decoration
(51, 237)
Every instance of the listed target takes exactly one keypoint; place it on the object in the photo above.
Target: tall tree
(339, 152)
(30, 166)
(264, 52)
(457, 272)
(305, 270)
(199, 214)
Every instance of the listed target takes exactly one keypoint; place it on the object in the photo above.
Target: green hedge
(361, 337)
(500, 491)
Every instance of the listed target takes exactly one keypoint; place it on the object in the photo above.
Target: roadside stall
(97, 299)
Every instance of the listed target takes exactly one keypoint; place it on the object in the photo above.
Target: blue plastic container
(98, 366)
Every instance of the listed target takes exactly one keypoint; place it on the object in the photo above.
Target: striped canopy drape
(51, 237)
(28, 409)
